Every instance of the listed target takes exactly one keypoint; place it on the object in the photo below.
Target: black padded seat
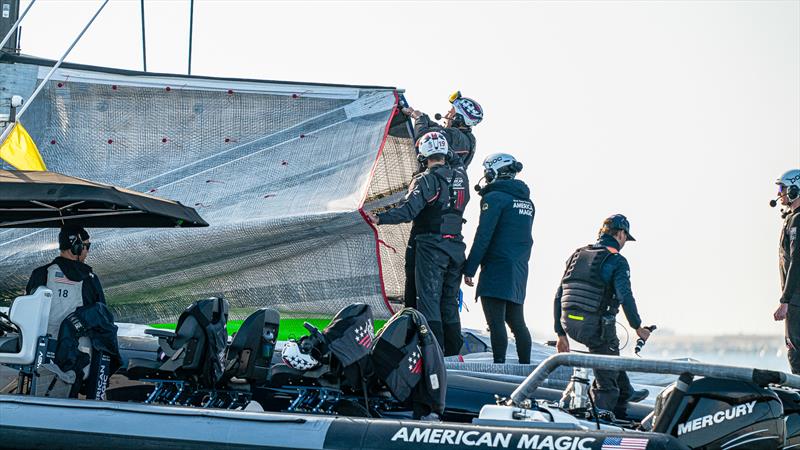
(10, 344)
(250, 353)
(184, 353)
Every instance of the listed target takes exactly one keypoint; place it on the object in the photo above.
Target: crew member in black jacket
(72, 281)
(789, 264)
(502, 248)
(435, 203)
(596, 283)
(464, 114)
(77, 292)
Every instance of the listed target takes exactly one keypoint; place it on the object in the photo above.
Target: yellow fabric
(575, 317)
(20, 151)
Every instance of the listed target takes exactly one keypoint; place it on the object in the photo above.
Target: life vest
(444, 215)
(583, 288)
(67, 297)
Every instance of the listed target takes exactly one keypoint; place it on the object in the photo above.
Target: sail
(281, 171)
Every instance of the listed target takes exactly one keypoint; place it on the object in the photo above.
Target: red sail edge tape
(364, 214)
(382, 242)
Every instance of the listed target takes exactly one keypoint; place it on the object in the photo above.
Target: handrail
(761, 377)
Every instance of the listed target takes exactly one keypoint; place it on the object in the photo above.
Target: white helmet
(433, 143)
(296, 359)
(500, 165)
(789, 184)
(469, 110)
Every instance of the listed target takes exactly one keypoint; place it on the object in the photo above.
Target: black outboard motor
(791, 414)
(721, 414)
(407, 358)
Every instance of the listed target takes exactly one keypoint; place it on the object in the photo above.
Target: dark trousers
(410, 292)
(611, 389)
(793, 337)
(498, 313)
(438, 265)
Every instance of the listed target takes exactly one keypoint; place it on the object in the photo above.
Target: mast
(9, 13)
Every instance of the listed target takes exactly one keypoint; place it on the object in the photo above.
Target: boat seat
(249, 355)
(30, 314)
(182, 353)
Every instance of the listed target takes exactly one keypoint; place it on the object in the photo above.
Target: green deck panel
(289, 329)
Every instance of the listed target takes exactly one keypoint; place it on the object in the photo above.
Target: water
(762, 352)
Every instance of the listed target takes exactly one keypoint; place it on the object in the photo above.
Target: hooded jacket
(789, 260)
(502, 245)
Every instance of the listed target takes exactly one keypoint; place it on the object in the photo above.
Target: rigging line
(16, 24)
(49, 75)
(191, 28)
(144, 42)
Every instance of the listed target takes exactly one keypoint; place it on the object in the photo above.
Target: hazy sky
(680, 115)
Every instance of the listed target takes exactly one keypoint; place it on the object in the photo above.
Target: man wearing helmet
(502, 248)
(464, 114)
(595, 284)
(789, 264)
(435, 204)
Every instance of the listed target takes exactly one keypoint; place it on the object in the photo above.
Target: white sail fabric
(279, 170)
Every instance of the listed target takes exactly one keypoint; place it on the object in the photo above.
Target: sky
(680, 115)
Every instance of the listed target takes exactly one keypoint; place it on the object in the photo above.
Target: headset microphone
(773, 203)
(437, 116)
(478, 184)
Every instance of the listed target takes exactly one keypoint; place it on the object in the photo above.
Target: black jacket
(615, 272)
(789, 261)
(429, 200)
(502, 245)
(460, 140)
(75, 271)
(96, 322)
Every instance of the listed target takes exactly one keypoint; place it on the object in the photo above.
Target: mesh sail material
(280, 171)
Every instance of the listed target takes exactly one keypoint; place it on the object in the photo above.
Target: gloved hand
(411, 112)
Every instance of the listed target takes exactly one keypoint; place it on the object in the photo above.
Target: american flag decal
(61, 278)
(365, 334)
(624, 443)
(415, 361)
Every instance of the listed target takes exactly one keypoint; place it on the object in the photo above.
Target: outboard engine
(791, 414)
(713, 413)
